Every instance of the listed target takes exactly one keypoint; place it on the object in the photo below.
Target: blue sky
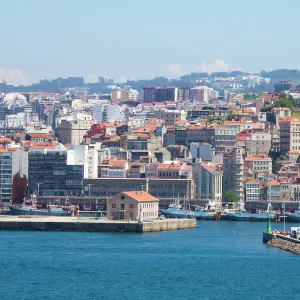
(145, 38)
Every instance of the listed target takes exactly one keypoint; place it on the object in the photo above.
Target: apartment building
(273, 191)
(289, 134)
(200, 94)
(160, 94)
(140, 141)
(183, 94)
(108, 113)
(171, 117)
(113, 168)
(13, 175)
(258, 164)
(252, 190)
(49, 173)
(254, 143)
(233, 172)
(174, 169)
(207, 182)
(72, 132)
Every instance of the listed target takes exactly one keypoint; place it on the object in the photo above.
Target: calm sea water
(217, 260)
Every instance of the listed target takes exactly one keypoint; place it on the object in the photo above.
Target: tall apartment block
(13, 175)
(233, 172)
(160, 93)
(289, 134)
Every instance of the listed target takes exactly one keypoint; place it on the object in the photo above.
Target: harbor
(54, 223)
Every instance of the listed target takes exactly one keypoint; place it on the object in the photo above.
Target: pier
(46, 223)
(281, 241)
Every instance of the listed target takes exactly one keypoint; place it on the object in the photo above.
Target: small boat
(242, 215)
(175, 210)
(293, 217)
(30, 208)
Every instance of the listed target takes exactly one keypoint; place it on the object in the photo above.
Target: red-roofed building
(133, 205)
(289, 134)
(95, 134)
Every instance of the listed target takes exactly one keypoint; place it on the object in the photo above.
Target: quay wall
(94, 226)
(169, 224)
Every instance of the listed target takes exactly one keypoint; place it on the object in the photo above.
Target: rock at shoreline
(285, 245)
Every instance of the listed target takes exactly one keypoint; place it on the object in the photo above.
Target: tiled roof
(251, 158)
(4, 139)
(252, 181)
(273, 182)
(141, 196)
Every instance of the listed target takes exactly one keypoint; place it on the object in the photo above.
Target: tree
(231, 196)
(230, 116)
(284, 102)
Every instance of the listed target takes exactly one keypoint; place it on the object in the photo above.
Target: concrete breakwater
(282, 242)
(91, 224)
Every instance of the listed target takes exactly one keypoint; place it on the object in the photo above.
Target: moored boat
(293, 217)
(30, 208)
(175, 210)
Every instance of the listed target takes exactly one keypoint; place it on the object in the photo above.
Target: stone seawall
(92, 224)
(285, 245)
(282, 242)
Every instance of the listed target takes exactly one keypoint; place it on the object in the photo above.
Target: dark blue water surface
(217, 260)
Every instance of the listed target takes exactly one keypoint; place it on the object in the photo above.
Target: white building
(108, 113)
(252, 190)
(172, 116)
(86, 155)
(200, 94)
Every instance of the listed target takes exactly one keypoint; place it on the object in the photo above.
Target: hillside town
(172, 142)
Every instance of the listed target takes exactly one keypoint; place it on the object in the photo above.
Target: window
(131, 206)
(113, 205)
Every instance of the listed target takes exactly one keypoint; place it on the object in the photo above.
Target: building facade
(132, 205)
(233, 172)
(13, 173)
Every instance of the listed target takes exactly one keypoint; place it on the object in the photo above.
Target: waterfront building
(273, 191)
(49, 173)
(207, 182)
(233, 172)
(164, 189)
(133, 205)
(13, 175)
(252, 190)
